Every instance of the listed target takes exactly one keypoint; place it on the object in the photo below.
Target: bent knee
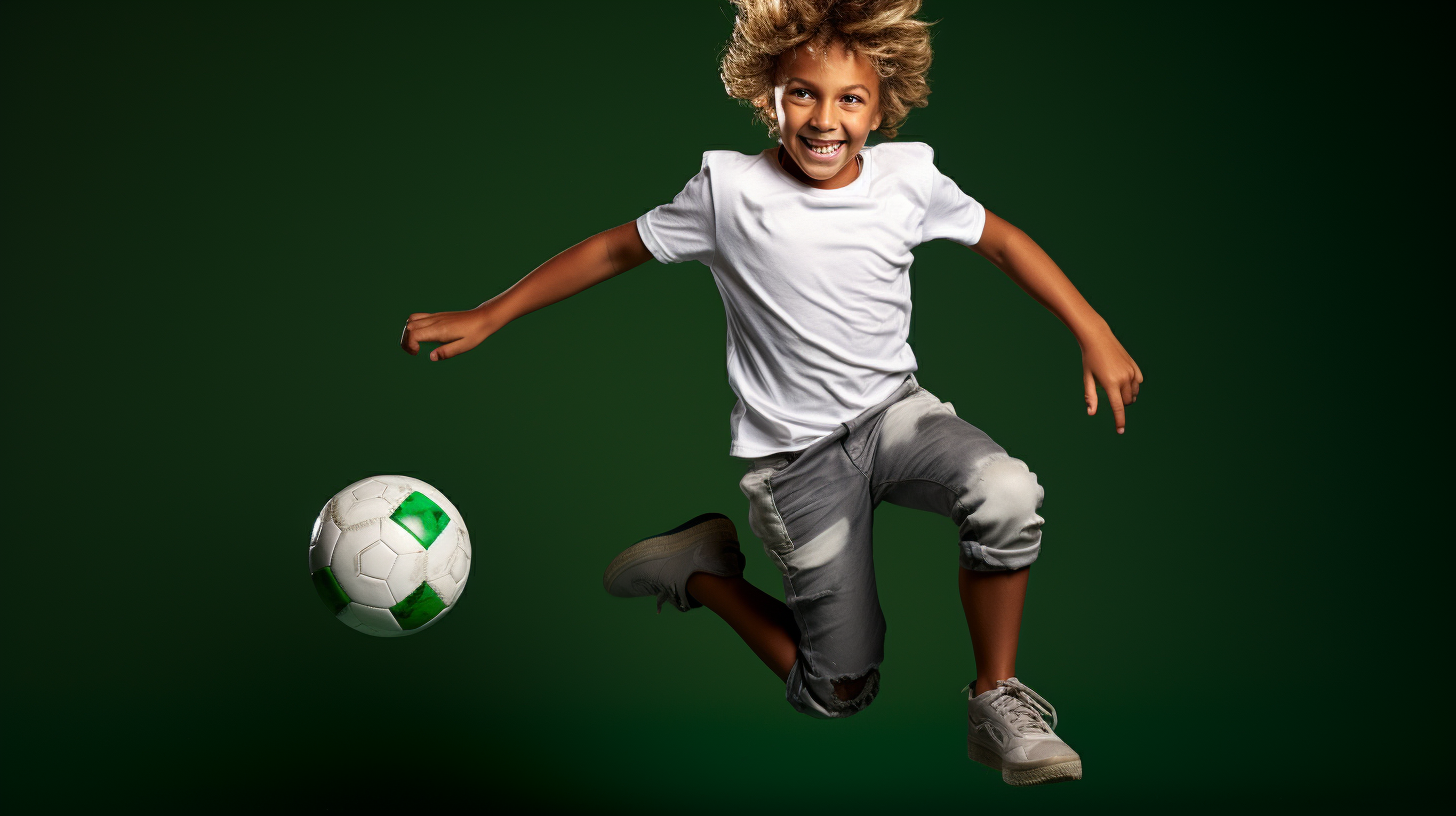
(1008, 486)
(1001, 529)
(1002, 494)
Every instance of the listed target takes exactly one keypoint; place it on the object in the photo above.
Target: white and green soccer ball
(389, 555)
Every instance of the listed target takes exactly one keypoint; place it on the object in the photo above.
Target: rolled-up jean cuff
(975, 558)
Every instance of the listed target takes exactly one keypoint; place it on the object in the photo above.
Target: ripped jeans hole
(846, 688)
(862, 692)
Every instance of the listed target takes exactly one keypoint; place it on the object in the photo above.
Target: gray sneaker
(1005, 730)
(661, 564)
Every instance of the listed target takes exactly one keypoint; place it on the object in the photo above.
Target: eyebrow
(841, 90)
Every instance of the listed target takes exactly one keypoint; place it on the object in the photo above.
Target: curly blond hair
(884, 32)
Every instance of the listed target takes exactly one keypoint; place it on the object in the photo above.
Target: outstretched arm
(582, 266)
(1104, 361)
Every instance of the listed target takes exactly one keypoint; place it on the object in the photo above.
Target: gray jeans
(814, 511)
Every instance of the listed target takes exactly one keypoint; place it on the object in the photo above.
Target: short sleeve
(683, 230)
(951, 213)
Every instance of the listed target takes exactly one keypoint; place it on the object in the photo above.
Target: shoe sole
(709, 526)
(1045, 775)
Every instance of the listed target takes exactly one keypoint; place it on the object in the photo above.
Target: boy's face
(825, 104)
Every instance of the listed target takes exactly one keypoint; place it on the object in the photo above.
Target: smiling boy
(810, 245)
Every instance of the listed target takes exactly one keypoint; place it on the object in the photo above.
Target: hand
(1106, 363)
(459, 331)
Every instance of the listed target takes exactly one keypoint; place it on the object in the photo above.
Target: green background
(217, 217)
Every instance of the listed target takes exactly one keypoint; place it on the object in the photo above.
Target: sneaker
(1005, 731)
(661, 564)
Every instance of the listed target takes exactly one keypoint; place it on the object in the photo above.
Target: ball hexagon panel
(347, 514)
(370, 489)
(367, 591)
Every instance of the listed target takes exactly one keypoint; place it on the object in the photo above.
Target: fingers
(414, 331)
(449, 350)
(457, 332)
(1089, 391)
(433, 333)
(1119, 414)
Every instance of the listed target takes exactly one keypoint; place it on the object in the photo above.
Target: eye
(796, 91)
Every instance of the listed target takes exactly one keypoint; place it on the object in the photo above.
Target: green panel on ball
(421, 517)
(329, 590)
(418, 609)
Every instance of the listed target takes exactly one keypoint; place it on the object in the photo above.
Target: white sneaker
(1005, 731)
(661, 564)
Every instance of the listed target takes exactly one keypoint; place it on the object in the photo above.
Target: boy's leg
(763, 621)
(812, 512)
(992, 602)
(928, 458)
(698, 563)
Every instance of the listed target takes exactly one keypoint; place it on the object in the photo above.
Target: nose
(824, 119)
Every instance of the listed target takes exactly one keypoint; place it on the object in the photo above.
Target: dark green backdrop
(217, 217)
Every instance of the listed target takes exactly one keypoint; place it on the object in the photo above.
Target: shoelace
(1018, 701)
(663, 593)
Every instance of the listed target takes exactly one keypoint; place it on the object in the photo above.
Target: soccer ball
(389, 555)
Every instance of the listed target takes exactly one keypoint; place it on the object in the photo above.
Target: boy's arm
(1104, 361)
(590, 262)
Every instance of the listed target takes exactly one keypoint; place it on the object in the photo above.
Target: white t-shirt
(815, 282)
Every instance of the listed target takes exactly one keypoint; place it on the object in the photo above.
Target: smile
(823, 151)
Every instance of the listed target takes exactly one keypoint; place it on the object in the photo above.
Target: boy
(810, 245)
